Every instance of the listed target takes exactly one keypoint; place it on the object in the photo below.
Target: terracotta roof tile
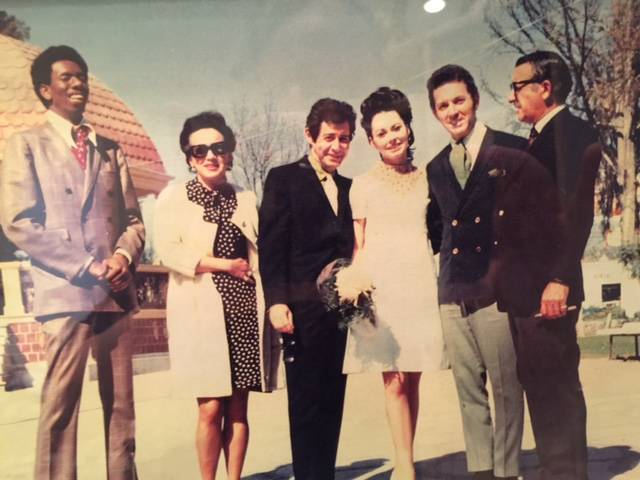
(21, 109)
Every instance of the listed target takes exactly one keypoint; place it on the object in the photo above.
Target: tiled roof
(20, 108)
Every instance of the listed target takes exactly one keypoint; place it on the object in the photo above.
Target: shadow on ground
(14, 365)
(604, 464)
(344, 472)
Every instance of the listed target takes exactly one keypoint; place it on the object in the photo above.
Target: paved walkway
(165, 428)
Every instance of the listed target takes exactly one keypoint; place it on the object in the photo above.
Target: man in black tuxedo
(305, 223)
(546, 345)
(459, 220)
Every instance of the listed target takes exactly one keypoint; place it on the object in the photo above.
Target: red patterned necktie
(79, 150)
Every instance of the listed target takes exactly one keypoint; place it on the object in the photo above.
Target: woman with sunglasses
(219, 345)
(389, 204)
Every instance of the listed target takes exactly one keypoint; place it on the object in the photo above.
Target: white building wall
(604, 271)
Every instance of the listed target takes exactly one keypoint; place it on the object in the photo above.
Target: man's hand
(97, 270)
(553, 303)
(281, 318)
(118, 274)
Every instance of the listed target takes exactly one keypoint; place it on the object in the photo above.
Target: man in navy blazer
(460, 224)
(306, 223)
(67, 200)
(546, 344)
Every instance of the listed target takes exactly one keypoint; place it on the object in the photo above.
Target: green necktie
(461, 163)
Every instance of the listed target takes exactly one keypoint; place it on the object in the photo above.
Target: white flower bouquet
(346, 288)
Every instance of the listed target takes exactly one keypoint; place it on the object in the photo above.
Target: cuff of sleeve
(85, 267)
(125, 254)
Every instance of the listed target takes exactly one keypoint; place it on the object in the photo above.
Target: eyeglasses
(517, 86)
(200, 151)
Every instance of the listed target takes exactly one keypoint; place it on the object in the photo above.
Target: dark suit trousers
(548, 356)
(68, 340)
(315, 388)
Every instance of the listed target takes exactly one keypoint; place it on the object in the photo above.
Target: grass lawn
(598, 346)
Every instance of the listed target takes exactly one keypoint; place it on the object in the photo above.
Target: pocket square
(497, 172)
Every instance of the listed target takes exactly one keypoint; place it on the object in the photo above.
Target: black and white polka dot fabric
(238, 297)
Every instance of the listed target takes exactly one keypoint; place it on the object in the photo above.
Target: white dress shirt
(540, 124)
(473, 141)
(326, 180)
(64, 127)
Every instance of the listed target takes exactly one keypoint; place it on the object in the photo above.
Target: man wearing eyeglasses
(67, 200)
(305, 223)
(546, 345)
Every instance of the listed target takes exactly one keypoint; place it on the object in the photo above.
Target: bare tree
(615, 95)
(599, 42)
(265, 139)
(13, 27)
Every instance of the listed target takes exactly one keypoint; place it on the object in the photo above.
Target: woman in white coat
(219, 343)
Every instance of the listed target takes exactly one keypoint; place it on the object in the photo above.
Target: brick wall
(26, 340)
(149, 335)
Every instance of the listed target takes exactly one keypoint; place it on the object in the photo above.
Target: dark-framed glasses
(517, 86)
(200, 151)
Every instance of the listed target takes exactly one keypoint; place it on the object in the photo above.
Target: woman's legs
(209, 435)
(236, 432)
(414, 400)
(401, 395)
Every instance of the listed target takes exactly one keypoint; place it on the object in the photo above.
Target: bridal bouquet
(346, 288)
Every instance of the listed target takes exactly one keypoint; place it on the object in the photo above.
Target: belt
(467, 307)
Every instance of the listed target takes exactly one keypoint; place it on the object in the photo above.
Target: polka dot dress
(238, 297)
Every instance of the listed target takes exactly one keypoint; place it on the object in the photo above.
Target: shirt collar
(317, 167)
(540, 124)
(473, 140)
(64, 127)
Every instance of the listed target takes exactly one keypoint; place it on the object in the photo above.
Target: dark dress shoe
(484, 475)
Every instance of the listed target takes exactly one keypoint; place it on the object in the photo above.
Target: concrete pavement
(165, 430)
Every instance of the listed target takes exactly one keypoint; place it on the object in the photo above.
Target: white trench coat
(198, 348)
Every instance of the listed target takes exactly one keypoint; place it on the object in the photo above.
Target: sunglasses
(200, 151)
(517, 86)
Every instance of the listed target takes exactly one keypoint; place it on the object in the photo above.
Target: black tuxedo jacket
(300, 233)
(460, 220)
(570, 150)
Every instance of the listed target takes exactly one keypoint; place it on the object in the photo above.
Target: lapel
(61, 161)
(544, 147)
(479, 170)
(310, 180)
(343, 194)
(94, 158)
(444, 163)
(243, 217)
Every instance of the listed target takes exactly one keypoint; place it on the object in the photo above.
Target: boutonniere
(497, 172)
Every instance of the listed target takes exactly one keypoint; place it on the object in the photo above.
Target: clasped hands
(236, 267)
(114, 270)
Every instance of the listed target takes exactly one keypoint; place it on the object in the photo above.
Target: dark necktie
(79, 150)
(533, 134)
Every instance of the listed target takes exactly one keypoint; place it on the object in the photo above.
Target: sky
(171, 59)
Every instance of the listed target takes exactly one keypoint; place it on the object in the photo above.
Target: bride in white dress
(389, 205)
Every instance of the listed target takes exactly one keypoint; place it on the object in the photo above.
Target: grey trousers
(68, 341)
(477, 345)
